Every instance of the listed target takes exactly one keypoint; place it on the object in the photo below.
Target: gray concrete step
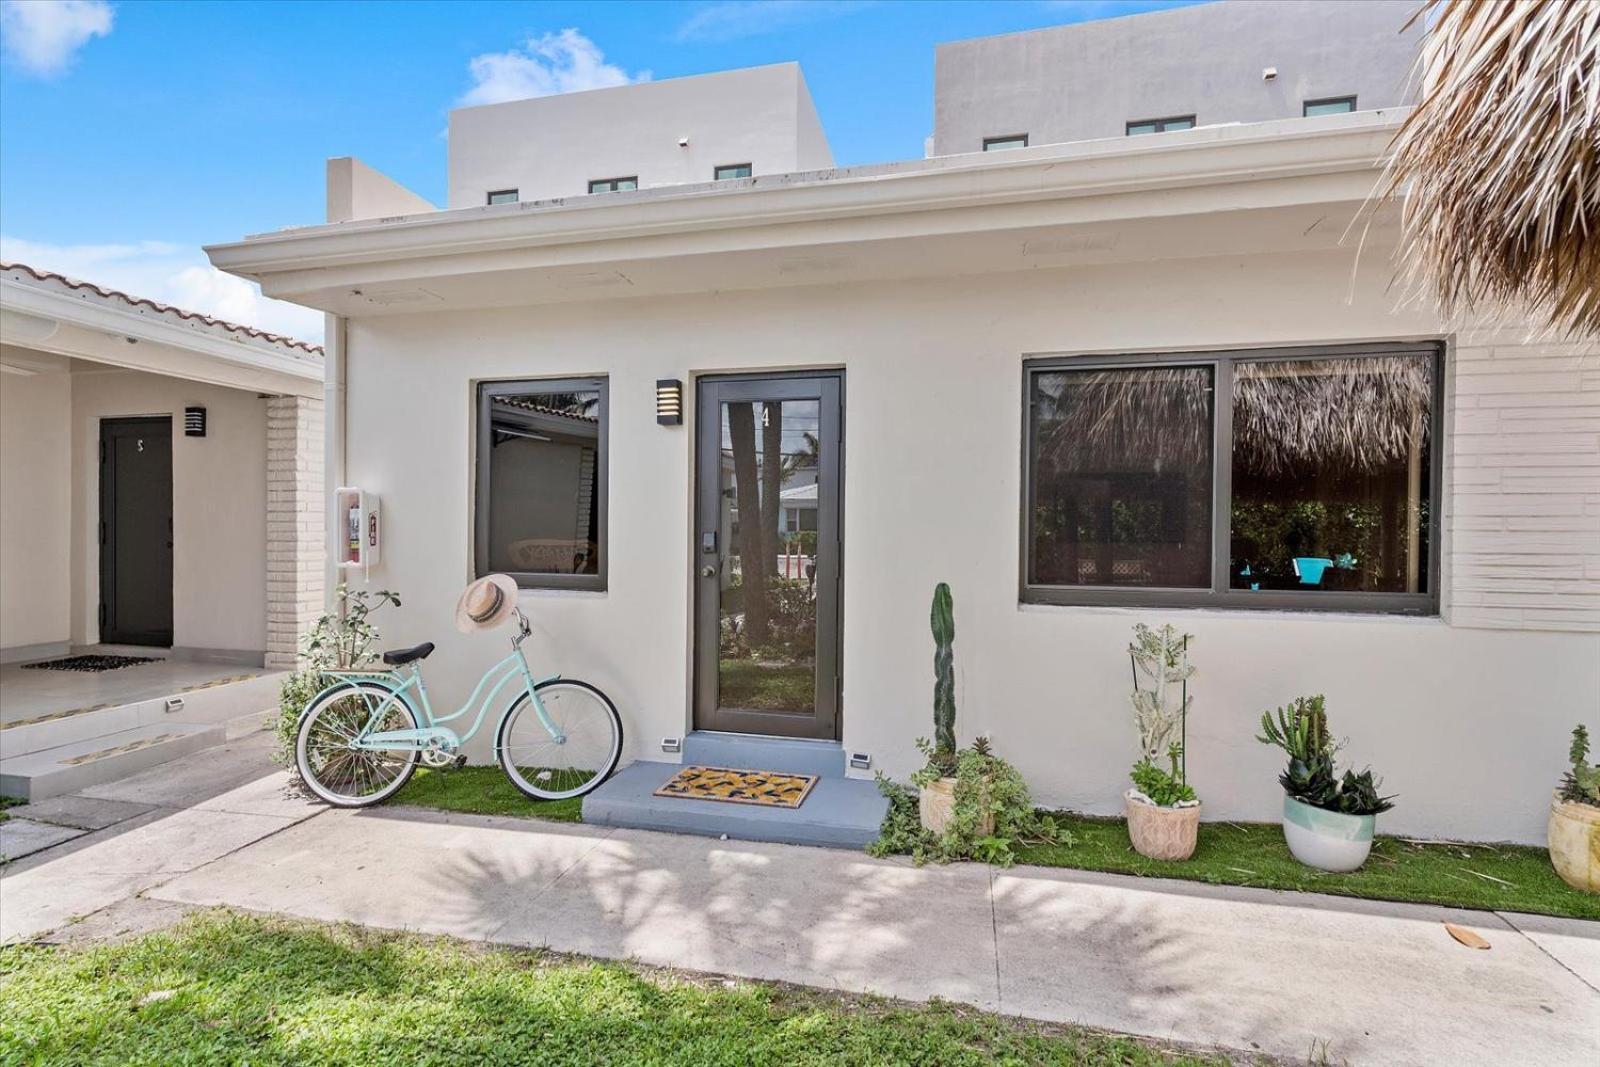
(750, 752)
(838, 813)
(69, 768)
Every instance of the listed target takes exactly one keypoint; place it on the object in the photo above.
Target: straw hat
(486, 603)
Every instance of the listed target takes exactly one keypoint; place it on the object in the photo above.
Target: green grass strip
(233, 989)
(1488, 877)
(482, 791)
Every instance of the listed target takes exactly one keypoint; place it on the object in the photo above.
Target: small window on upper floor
(613, 185)
(1010, 140)
(1333, 105)
(731, 170)
(503, 196)
(1167, 125)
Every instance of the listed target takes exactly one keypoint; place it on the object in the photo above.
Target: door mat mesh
(89, 663)
(772, 789)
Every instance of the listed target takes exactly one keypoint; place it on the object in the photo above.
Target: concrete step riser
(54, 780)
(823, 758)
(219, 704)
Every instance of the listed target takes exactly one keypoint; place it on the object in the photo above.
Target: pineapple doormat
(773, 789)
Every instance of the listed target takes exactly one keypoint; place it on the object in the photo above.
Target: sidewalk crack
(994, 934)
(585, 854)
(1558, 961)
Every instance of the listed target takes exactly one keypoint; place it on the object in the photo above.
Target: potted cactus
(1574, 831)
(1163, 811)
(936, 800)
(1328, 822)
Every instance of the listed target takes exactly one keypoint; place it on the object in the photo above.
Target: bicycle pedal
(461, 761)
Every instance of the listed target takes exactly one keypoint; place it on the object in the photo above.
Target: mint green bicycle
(361, 738)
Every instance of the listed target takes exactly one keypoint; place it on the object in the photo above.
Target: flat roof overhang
(1285, 186)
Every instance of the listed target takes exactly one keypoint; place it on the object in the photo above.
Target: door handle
(708, 571)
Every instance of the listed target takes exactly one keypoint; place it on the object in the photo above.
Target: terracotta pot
(1162, 833)
(936, 804)
(1574, 837)
(1327, 840)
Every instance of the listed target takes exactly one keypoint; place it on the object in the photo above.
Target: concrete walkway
(1290, 975)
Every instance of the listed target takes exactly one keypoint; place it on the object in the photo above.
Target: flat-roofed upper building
(1234, 61)
(733, 124)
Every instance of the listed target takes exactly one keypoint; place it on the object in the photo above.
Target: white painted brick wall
(1522, 477)
(294, 524)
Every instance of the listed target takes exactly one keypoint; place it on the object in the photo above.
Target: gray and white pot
(1326, 840)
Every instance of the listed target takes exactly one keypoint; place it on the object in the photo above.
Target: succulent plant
(1581, 783)
(1301, 730)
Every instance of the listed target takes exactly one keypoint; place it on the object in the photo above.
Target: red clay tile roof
(164, 309)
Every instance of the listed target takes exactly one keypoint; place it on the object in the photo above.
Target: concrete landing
(838, 813)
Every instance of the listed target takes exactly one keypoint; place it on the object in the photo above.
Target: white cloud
(751, 18)
(565, 62)
(169, 274)
(43, 36)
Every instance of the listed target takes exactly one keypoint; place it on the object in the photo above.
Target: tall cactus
(944, 679)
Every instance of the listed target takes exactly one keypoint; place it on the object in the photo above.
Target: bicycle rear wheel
(344, 776)
(577, 757)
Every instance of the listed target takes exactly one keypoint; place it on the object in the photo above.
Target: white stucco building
(161, 500)
(1212, 298)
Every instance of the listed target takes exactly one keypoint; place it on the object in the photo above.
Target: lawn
(481, 791)
(1490, 877)
(225, 988)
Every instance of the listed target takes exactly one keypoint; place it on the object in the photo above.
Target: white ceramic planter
(1326, 840)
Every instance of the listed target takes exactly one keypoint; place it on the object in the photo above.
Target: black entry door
(136, 531)
(767, 554)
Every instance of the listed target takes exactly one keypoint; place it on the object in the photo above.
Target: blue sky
(132, 133)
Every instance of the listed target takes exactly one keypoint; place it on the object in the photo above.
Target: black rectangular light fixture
(669, 402)
(194, 422)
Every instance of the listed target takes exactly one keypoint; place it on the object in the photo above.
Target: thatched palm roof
(1358, 414)
(1500, 163)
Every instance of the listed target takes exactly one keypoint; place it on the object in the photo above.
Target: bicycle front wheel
(572, 754)
(329, 763)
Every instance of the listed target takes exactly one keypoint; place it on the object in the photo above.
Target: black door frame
(110, 428)
(827, 387)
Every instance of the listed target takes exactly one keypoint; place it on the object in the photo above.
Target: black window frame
(1001, 143)
(609, 185)
(1220, 596)
(486, 391)
(489, 197)
(1307, 105)
(718, 176)
(1160, 124)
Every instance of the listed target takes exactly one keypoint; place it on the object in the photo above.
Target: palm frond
(1499, 165)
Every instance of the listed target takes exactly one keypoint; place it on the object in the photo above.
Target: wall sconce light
(669, 402)
(194, 422)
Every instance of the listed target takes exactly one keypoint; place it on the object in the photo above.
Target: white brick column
(295, 548)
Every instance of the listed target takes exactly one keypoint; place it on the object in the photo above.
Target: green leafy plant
(986, 785)
(1164, 787)
(1161, 710)
(339, 641)
(1300, 729)
(943, 623)
(1581, 783)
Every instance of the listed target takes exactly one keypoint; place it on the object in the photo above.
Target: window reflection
(1332, 474)
(1122, 477)
(770, 462)
(543, 501)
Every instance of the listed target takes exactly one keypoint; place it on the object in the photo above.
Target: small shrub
(985, 784)
(340, 641)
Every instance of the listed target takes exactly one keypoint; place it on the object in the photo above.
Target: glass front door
(767, 555)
